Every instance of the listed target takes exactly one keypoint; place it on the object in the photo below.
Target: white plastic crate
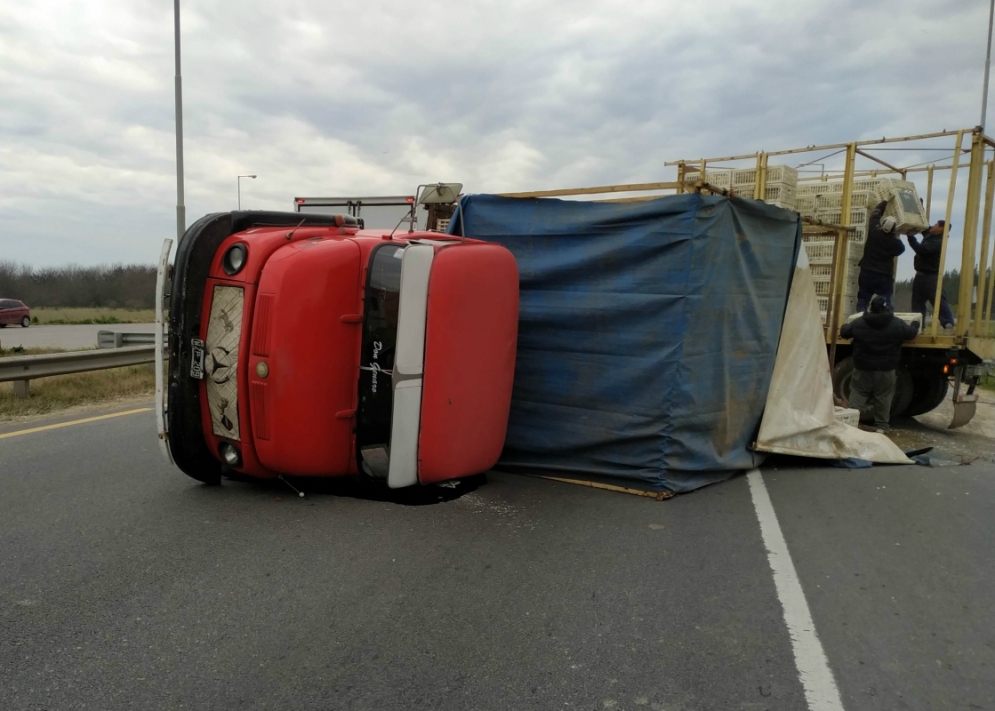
(822, 286)
(775, 174)
(819, 252)
(718, 178)
(442, 224)
(858, 216)
(849, 304)
(834, 201)
(806, 204)
(903, 204)
(824, 272)
(780, 194)
(820, 187)
(869, 185)
(848, 416)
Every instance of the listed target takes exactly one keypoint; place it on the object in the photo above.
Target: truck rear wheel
(843, 373)
(928, 392)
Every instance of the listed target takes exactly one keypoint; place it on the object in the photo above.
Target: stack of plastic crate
(781, 187)
(819, 245)
(718, 178)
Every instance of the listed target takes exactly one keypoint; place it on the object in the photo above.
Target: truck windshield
(380, 310)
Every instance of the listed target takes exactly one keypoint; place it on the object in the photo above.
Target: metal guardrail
(22, 369)
(120, 339)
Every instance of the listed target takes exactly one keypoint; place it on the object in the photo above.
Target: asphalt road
(125, 585)
(68, 337)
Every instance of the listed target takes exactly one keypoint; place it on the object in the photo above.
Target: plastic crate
(819, 252)
(848, 416)
(806, 203)
(834, 201)
(903, 204)
(820, 187)
(822, 286)
(775, 174)
(869, 185)
(781, 194)
(718, 178)
(824, 272)
(858, 216)
(442, 224)
(849, 304)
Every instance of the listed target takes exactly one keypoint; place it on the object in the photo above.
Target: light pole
(239, 181)
(988, 64)
(181, 210)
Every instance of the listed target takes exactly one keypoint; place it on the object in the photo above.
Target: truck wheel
(25, 322)
(928, 392)
(843, 373)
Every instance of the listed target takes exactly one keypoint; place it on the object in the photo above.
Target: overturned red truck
(307, 346)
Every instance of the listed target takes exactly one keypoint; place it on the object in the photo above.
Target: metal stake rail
(969, 325)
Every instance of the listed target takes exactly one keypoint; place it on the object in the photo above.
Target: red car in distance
(13, 311)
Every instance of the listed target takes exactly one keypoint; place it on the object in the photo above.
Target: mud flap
(964, 409)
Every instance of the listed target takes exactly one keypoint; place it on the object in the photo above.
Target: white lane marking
(813, 667)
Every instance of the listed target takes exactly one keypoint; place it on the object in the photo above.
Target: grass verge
(44, 315)
(61, 392)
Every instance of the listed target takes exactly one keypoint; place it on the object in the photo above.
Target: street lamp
(181, 210)
(240, 188)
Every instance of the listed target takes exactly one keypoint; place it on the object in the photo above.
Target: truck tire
(843, 373)
(928, 392)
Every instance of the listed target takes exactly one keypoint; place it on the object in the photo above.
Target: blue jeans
(870, 284)
(923, 292)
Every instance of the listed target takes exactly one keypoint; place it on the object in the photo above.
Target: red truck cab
(314, 348)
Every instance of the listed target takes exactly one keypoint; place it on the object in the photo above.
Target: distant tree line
(951, 283)
(130, 286)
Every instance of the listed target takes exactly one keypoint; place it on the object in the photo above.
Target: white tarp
(799, 417)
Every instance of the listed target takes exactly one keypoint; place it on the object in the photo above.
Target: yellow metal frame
(974, 331)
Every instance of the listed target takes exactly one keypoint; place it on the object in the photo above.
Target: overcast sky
(374, 97)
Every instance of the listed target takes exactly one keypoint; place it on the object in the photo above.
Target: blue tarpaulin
(647, 332)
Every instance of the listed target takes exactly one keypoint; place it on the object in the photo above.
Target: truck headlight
(234, 259)
(229, 454)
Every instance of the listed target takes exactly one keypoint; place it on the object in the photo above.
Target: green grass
(44, 315)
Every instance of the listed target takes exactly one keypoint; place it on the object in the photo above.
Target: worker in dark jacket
(877, 351)
(877, 266)
(927, 264)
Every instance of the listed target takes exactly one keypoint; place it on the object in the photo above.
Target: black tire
(843, 373)
(25, 322)
(3, 325)
(928, 392)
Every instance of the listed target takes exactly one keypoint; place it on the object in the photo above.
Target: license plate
(197, 358)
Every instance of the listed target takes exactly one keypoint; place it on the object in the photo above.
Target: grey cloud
(378, 96)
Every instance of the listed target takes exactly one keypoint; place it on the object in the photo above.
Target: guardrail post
(22, 388)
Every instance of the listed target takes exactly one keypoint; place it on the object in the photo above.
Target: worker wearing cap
(927, 264)
(877, 352)
(877, 272)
